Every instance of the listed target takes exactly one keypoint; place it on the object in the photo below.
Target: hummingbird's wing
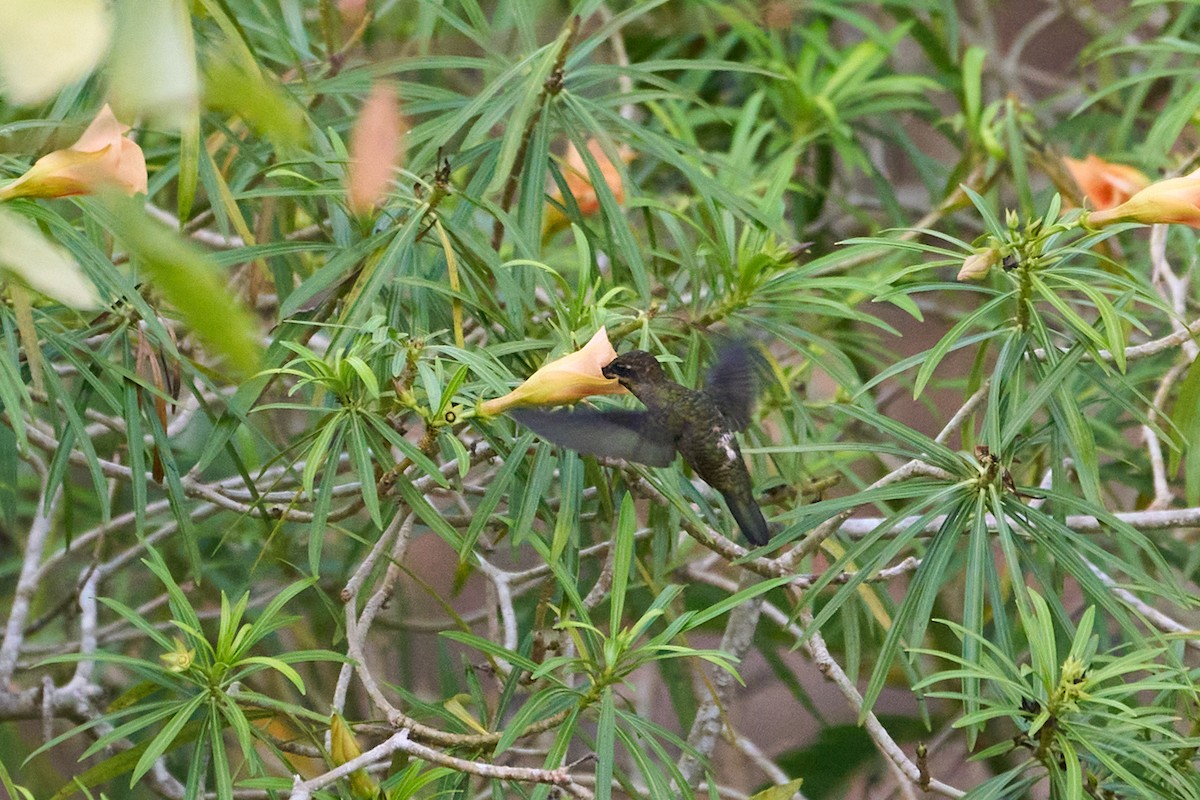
(615, 433)
(734, 380)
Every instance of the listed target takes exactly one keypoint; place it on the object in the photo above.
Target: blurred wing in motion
(616, 433)
(734, 381)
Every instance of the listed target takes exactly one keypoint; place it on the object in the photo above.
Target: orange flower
(563, 380)
(102, 157)
(376, 147)
(579, 183)
(1172, 200)
(1105, 184)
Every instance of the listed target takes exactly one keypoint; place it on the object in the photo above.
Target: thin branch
(27, 584)
(1151, 519)
(1184, 336)
(814, 645)
(706, 726)
(401, 743)
(1156, 618)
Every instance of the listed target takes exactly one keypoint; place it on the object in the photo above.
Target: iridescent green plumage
(701, 424)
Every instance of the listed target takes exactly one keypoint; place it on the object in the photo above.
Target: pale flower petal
(131, 172)
(47, 44)
(43, 265)
(376, 146)
(579, 182)
(102, 158)
(153, 70)
(573, 377)
(1104, 183)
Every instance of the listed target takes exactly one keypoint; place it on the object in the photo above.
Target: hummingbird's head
(632, 369)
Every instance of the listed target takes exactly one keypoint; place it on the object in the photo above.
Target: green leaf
(972, 85)
(189, 167)
(278, 666)
(360, 456)
(165, 739)
(191, 283)
(1186, 416)
(622, 559)
(605, 744)
(237, 85)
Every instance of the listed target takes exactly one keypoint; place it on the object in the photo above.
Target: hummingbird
(699, 424)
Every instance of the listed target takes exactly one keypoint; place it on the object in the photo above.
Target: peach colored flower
(353, 12)
(153, 71)
(564, 380)
(1105, 184)
(43, 265)
(46, 45)
(1172, 200)
(977, 265)
(376, 149)
(102, 158)
(579, 183)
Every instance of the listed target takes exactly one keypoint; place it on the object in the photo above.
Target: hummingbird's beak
(607, 372)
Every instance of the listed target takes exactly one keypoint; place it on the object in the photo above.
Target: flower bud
(343, 748)
(1172, 200)
(977, 265)
(180, 657)
(376, 149)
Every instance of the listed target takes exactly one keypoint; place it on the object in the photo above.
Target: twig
(502, 600)
(1159, 519)
(1191, 638)
(401, 743)
(769, 768)
(27, 584)
(1185, 336)
(706, 727)
(1163, 496)
(814, 645)
(350, 598)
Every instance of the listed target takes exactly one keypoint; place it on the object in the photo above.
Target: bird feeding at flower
(699, 424)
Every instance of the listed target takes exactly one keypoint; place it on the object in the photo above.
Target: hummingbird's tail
(749, 518)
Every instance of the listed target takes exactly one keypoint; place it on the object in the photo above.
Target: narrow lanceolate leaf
(605, 744)
(1186, 416)
(191, 284)
(622, 558)
(364, 465)
(165, 739)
